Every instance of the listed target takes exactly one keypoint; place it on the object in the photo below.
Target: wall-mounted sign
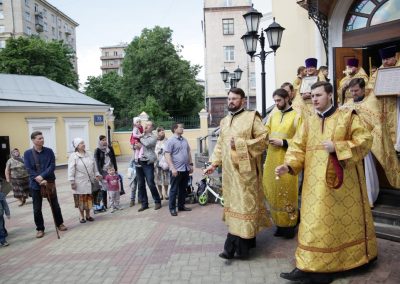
(98, 119)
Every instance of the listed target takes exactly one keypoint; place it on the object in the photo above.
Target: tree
(34, 56)
(107, 89)
(153, 67)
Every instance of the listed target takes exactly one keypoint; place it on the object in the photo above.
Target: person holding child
(137, 133)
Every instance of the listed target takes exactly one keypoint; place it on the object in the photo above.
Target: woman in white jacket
(82, 173)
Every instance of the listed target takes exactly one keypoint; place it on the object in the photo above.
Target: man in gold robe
(390, 104)
(336, 231)
(239, 149)
(352, 71)
(369, 109)
(282, 194)
(311, 70)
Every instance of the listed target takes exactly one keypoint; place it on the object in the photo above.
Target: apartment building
(112, 57)
(36, 17)
(223, 48)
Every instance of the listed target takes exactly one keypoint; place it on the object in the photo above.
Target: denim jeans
(178, 187)
(133, 184)
(3, 232)
(146, 172)
(37, 210)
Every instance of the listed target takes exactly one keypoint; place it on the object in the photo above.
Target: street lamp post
(250, 39)
(233, 78)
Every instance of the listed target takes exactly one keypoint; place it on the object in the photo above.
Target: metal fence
(190, 122)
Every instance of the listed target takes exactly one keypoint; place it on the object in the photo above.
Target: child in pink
(112, 180)
(137, 133)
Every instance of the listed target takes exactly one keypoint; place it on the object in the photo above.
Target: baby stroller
(190, 193)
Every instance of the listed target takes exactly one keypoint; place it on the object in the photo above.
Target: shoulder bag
(94, 184)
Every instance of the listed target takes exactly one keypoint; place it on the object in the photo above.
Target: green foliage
(34, 56)
(107, 89)
(153, 67)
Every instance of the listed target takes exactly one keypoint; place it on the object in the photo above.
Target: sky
(105, 23)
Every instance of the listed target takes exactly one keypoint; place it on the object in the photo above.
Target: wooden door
(340, 56)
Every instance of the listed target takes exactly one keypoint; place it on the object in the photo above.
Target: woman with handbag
(84, 177)
(18, 176)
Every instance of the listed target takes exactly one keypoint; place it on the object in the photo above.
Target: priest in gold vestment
(311, 70)
(390, 104)
(352, 71)
(336, 231)
(239, 149)
(282, 194)
(369, 108)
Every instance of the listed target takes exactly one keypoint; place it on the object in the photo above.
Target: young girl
(137, 133)
(112, 180)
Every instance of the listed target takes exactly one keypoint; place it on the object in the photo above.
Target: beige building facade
(36, 17)
(112, 57)
(223, 48)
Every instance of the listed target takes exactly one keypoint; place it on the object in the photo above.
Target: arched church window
(366, 13)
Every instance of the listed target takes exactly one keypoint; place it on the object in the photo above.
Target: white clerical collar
(322, 114)
(236, 112)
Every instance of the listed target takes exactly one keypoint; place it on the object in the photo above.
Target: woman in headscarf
(82, 173)
(105, 158)
(18, 176)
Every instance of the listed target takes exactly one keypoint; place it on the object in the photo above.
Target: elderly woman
(82, 172)
(18, 176)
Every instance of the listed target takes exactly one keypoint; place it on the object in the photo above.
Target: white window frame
(28, 16)
(229, 53)
(2, 28)
(71, 122)
(1, 14)
(228, 23)
(28, 30)
(39, 124)
(2, 43)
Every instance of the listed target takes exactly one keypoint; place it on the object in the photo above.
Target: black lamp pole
(250, 39)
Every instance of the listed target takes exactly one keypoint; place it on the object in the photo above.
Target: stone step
(388, 232)
(386, 214)
(389, 197)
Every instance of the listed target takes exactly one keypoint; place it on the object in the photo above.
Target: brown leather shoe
(157, 206)
(62, 227)
(39, 234)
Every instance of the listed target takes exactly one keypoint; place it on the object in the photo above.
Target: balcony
(39, 22)
(120, 56)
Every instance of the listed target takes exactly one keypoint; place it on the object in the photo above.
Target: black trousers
(37, 210)
(238, 245)
(178, 188)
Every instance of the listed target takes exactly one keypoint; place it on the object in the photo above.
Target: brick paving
(151, 247)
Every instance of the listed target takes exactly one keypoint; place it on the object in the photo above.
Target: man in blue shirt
(40, 163)
(179, 158)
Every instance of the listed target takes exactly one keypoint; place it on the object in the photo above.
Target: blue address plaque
(98, 119)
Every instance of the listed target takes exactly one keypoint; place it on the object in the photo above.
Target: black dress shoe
(184, 208)
(225, 255)
(143, 208)
(295, 275)
(307, 277)
(279, 232)
(173, 213)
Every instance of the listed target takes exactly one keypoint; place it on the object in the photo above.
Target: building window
(366, 13)
(59, 35)
(252, 80)
(227, 26)
(48, 127)
(27, 3)
(115, 53)
(228, 3)
(27, 16)
(229, 53)
(106, 53)
(53, 31)
(2, 29)
(45, 13)
(59, 24)
(36, 8)
(28, 31)
(53, 18)
(1, 14)
(45, 27)
(2, 43)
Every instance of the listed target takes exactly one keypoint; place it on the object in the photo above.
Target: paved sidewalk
(150, 247)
